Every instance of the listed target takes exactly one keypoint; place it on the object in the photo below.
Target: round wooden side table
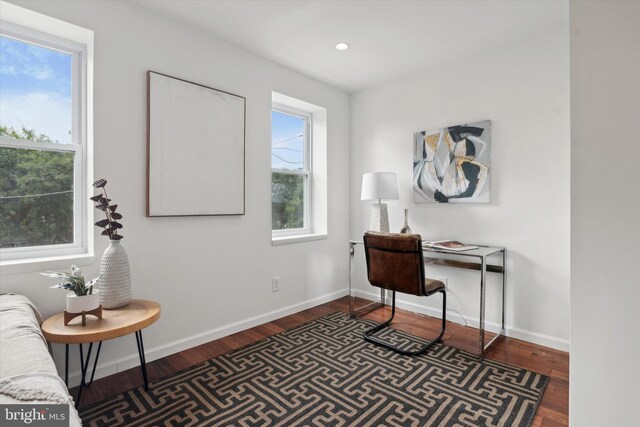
(114, 323)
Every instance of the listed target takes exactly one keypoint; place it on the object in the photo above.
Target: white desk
(477, 259)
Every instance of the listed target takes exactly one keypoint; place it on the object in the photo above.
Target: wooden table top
(114, 323)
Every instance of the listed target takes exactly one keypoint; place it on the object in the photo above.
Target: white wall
(523, 88)
(605, 230)
(212, 275)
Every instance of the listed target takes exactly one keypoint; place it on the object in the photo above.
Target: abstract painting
(452, 164)
(195, 156)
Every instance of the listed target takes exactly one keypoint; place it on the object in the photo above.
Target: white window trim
(307, 172)
(33, 27)
(318, 202)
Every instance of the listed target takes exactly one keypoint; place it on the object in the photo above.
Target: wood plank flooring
(553, 410)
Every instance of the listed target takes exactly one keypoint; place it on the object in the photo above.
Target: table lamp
(379, 186)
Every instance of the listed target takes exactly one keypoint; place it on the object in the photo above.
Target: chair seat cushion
(432, 285)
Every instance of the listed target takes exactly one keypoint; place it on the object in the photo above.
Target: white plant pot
(76, 304)
(115, 280)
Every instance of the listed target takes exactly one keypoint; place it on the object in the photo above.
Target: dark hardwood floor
(553, 410)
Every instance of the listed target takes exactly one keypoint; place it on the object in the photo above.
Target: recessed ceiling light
(342, 46)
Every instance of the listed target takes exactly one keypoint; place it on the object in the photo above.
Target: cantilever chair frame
(368, 334)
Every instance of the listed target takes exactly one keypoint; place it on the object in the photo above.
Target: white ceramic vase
(115, 280)
(78, 304)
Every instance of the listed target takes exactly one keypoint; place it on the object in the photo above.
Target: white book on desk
(449, 245)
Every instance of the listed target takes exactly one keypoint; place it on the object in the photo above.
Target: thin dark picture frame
(189, 189)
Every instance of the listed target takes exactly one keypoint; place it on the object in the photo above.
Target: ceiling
(389, 39)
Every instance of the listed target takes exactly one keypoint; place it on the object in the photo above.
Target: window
(43, 136)
(290, 170)
(298, 171)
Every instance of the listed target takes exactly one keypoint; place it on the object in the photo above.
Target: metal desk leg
(504, 289)
(483, 290)
(503, 330)
(352, 307)
(353, 311)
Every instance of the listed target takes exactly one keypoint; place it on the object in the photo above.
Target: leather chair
(395, 262)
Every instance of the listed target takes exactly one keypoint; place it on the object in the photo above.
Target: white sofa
(27, 371)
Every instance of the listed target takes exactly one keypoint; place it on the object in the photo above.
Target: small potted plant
(83, 297)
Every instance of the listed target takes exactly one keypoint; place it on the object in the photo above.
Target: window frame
(307, 171)
(81, 52)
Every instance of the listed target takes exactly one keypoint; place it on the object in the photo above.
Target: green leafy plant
(110, 224)
(73, 281)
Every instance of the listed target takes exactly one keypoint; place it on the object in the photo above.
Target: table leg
(95, 363)
(66, 365)
(352, 307)
(84, 368)
(483, 276)
(504, 289)
(83, 372)
(360, 311)
(143, 360)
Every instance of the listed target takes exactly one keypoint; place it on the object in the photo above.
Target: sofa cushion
(24, 349)
(28, 374)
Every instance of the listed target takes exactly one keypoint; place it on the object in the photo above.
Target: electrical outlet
(275, 284)
(444, 280)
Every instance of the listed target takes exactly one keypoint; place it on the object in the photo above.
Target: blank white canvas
(196, 149)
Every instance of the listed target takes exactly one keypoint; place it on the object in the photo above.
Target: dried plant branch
(110, 224)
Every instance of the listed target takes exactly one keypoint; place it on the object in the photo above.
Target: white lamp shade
(379, 185)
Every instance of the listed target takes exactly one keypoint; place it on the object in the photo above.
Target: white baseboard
(541, 339)
(131, 361)
(532, 337)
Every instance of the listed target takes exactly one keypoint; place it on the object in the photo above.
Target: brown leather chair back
(395, 262)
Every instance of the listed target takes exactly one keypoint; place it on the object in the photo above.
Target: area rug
(323, 373)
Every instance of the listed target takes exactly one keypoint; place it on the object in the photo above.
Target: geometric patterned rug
(322, 373)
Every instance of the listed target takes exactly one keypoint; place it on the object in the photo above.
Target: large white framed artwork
(453, 164)
(195, 149)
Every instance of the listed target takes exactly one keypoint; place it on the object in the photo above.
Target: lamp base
(379, 218)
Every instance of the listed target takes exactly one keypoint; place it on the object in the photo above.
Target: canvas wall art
(195, 157)
(452, 164)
